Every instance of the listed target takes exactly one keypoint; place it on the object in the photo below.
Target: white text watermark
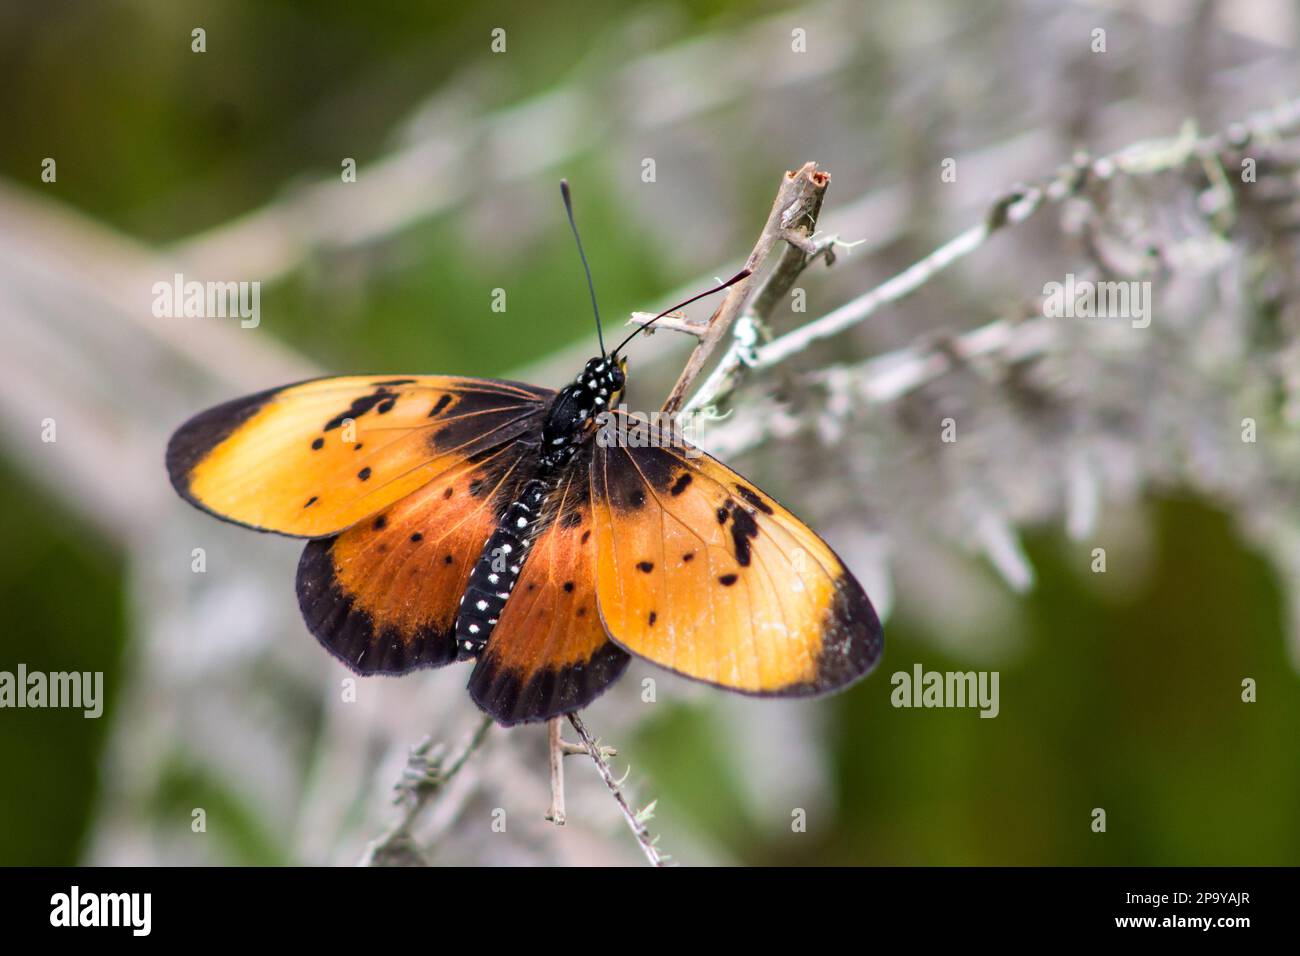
(208, 300)
(59, 689)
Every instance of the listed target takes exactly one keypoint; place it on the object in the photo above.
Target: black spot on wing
(512, 697)
(358, 408)
(681, 484)
(443, 401)
(743, 530)
(754, 498)
(349, 633)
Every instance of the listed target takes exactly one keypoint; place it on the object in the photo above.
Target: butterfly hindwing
(549, 654)
(314, 458)
(383, 595)
(703, 574)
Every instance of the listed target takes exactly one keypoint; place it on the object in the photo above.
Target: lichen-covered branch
(1017, 206)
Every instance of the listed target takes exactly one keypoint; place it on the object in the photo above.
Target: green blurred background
(1125, 699)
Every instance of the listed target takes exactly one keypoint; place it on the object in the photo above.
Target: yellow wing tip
(195, 440)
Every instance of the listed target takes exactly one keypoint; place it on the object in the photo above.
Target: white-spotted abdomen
(497, 569)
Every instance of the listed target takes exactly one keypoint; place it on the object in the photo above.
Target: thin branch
(752, 328)
(794, 214)
(635, 821)
(425, 778)
(673, 322)
(574, 750)
(555, 744)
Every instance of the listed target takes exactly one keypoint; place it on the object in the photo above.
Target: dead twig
(792, 219)
(574, 750)
(425, 778)
(673, 321)
(556, 747)
(636, 821)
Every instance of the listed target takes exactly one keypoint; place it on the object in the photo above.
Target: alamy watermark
(75, 689)
(1085, 299)
(656, 430)
(208, 300)
(133, 911)
(922, 688)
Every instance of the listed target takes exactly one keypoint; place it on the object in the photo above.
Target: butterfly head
(604, 378)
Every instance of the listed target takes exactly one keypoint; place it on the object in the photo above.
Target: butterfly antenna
(591, 287)
(742, 274)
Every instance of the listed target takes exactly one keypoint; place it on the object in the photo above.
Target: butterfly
(467, 519)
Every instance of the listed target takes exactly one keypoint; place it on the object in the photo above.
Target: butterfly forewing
(703, 574)
(315, 458)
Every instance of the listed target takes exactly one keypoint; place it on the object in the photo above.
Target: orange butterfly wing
(315, 458)
(701, 573)
(383, 596)
(549, 654)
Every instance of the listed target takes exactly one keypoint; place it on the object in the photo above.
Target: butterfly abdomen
(498, 567)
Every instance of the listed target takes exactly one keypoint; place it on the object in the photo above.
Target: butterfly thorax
(576, 407)
(569, 423)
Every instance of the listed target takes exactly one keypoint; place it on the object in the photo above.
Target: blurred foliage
(64, 590)
(245, 835)
(434, 314)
